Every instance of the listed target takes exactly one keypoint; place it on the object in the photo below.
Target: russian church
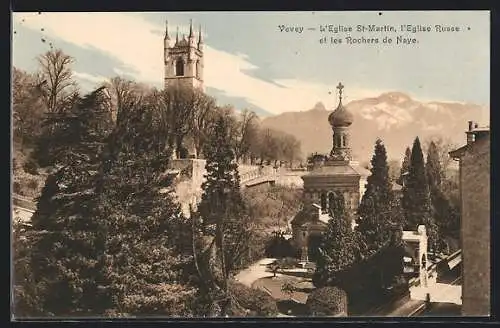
(337, 174)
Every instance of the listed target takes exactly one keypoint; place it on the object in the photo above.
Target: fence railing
(257, 173)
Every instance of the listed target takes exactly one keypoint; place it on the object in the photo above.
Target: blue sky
(251, 64)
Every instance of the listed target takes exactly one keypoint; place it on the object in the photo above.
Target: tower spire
(177, 36)
(200, 37)
(167, 37)
(191, 28)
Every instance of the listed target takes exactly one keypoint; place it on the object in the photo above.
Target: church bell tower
(183, 59)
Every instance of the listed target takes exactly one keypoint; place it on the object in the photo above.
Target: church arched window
(179, 67)
(331, 200)
(344, 141)
(323, 202)
(348, 202)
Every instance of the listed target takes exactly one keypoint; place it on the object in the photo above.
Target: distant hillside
(394, 117)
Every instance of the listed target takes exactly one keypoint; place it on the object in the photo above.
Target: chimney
(470, 134)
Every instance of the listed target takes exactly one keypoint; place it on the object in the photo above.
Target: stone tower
(184, 59)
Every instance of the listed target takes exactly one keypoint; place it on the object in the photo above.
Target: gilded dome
(340, 117)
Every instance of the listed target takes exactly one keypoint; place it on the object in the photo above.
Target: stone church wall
(188, 188)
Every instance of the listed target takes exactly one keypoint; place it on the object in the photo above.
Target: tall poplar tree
(223, 217)
(416, 200)
(442, 210)
(433, 168)
(405, 166)
(375, 211)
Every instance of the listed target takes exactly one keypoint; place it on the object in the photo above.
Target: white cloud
(135, 43)
(98, 79)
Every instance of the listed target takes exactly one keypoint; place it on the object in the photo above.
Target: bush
(327, 301)
(31, 167)
(256, 301)
(279, 247)
(285, 263)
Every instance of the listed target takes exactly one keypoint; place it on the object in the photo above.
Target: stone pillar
(422, 256)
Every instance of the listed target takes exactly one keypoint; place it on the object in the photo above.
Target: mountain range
(394, 117)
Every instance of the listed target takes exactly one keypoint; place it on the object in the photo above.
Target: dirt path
(256, 271)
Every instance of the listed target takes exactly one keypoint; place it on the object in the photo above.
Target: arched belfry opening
(197, 69)
(179, 67)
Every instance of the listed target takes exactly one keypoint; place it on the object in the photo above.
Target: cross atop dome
(340, 86)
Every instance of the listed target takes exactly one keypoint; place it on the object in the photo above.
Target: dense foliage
(256, 302)
(280, 247)
(145, 249)
(445, 213)
(222, 218)
(327, 301)
(339, 246)
(66, 244)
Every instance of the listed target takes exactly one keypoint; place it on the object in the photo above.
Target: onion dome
(340, 117)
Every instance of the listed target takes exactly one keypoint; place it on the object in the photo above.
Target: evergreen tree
(416, 197)
(433, 168)
(145, 231)
(443, 212)
(223, 216)
(66, 246)
(338, 250)
(405, 166)
(375, 211)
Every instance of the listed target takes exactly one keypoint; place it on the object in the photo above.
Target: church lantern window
(337, 140)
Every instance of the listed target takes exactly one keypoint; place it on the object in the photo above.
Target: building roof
(361, 170)
(329, 170)
(459, 152)
(479, 133)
